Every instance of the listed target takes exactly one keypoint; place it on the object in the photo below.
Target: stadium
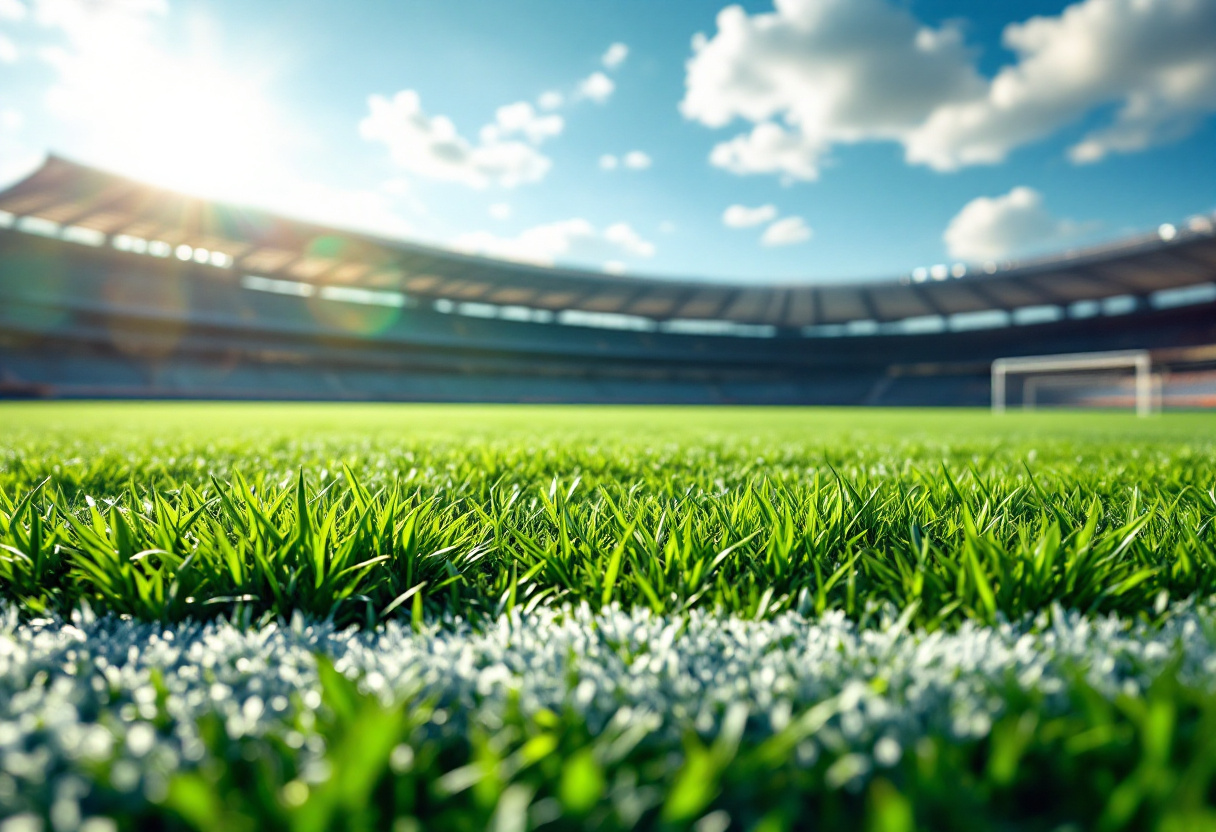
(115, 289)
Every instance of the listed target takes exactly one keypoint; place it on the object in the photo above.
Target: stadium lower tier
(81, 322)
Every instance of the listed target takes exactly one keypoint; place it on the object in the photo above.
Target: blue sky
(816, 140)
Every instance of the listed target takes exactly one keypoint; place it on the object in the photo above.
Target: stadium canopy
(73, 201)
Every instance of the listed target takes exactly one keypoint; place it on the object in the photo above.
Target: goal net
(1095, 379)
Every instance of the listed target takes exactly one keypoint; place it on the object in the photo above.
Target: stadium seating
(119, 317)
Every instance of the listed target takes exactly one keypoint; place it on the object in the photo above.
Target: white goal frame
(1139, 360)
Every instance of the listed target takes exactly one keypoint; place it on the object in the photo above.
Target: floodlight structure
(1138, 360)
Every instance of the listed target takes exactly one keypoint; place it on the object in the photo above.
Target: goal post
(1040, 365)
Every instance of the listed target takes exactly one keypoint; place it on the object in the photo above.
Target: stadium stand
(113, 288)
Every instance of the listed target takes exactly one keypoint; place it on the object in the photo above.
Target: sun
(189, 121)
(197, 127)
(216, 136)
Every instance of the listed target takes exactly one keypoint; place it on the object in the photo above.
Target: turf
(599, 617)
(167, 513)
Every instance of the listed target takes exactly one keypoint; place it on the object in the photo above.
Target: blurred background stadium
(114, 288)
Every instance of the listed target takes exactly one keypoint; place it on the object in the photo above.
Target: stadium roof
(74, 201)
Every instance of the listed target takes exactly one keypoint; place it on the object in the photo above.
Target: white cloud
(1155, 60)
(615, 56)
(786, 232)
(634, 160)
(835, 71)
(361, 210)
(541, 245)
(597, 86)
(740, 216)
(127, 22)
(992, 228)
(500, 211)
(813, 74)
(547, 244)
(397, 186)
(12, 10)
(615, 267)
(521, 118)
(637, 160)
(622, 235)
(769, 148)
(430, 146)
(11, 120)
(550, 100)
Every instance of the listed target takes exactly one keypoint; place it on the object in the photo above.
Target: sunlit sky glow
(816, 139)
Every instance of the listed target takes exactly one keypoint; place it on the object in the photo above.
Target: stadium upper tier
(77, 203)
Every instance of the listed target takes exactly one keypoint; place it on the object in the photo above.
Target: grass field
(314, 617)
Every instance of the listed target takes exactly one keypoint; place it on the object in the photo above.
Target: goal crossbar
(1138, 360)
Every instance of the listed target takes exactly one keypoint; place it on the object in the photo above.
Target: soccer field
(308, 617)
